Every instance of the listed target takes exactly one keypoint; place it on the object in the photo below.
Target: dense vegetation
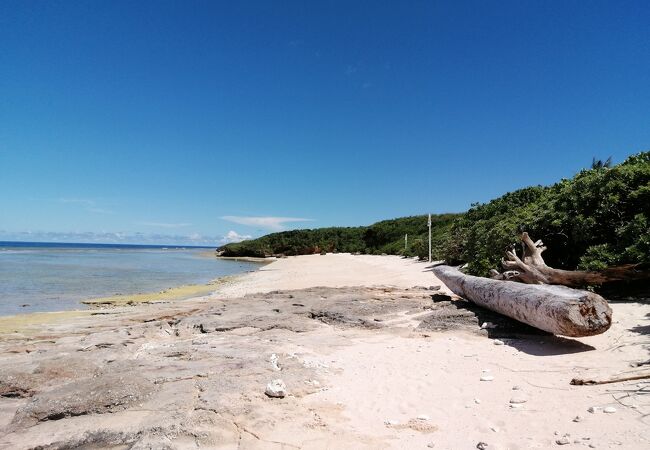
(382, 237)
(599, 218)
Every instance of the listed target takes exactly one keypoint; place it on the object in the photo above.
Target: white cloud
(164, 224)
(107, 237)
(88, 205)
(233, 236)
(77, 201)
(100, 211)
(269, 223)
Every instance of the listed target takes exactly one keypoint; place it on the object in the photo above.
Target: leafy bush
(382, 237)
(599, 218)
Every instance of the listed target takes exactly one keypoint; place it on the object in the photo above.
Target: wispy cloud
(77, 201)
(351, 69)
(164, 224)
(269, 223)
(99, 211)
(87, 204)
(119, 237)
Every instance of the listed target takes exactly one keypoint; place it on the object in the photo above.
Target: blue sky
(206, 121)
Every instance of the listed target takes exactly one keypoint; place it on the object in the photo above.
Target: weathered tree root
(532, 269)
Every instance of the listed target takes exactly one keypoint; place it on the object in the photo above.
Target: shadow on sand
(524, 338)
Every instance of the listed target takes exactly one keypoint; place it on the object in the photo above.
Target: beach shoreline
(45, 277)
(372, 353)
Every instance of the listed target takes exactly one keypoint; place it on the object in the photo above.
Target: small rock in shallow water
(498, 342)
(593, 409)
(516, 388)
(577, 419)
(482, 446)
(609, 410)
(563, 441)
(518, 400)
(487, 378)
(276, 389)
(477, 401)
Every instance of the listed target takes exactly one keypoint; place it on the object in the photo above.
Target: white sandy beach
(333, 270)
(396, 386)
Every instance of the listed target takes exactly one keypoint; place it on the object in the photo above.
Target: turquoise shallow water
(55, 277)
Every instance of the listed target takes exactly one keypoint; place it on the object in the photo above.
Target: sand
(333, 270)
(369, 362)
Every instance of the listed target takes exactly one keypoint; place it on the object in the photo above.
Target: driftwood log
(556, 309)
(532, 269)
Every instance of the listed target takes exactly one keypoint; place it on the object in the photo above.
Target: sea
(39, 277)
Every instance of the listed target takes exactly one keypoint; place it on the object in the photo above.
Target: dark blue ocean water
(56, 276)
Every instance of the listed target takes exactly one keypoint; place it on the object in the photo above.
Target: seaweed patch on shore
(167, 295)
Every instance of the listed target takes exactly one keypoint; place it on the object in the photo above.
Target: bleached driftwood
(532, 269)
(587, 382)
(556, 309)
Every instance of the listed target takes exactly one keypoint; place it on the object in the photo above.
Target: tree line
(598, 218)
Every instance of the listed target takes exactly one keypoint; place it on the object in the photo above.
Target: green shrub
(599, 218)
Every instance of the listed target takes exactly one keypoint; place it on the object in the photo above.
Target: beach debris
(487, 378)
(487, 325)
(577, 419)
(586, 382)
(517, 400)
(498, 342)
(390, 422)
(564, 440)
(414, 424)
(423, 417)
(482, 446)
(431, 445)
(495, 429)
(515, 405)
(532, 269)
(477, 401)
(555, 309)
(274, 362)
(609, 410)
(276, 389)
(516, 387)
(593, 409)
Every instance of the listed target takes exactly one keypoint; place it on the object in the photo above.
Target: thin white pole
(429, 237)
(406, 241)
